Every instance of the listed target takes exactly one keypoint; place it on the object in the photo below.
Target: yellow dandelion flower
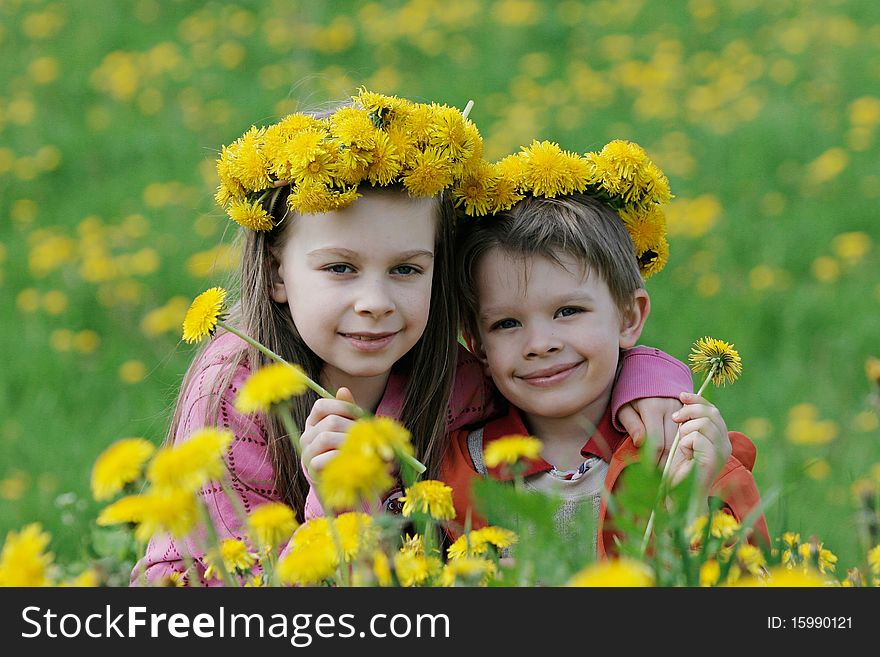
(309, 564)
(352, 165)
(385, 108)
(646, 227)
(352, 477)
(271, 524)
(353, 126)
(382, 568)
(271, 385)
(190, 464)
(498, 536)
(655, 185)
(429, 173)
(386, 163)
(653, 260)
(320, 169)
(504, 194)
(316, 529)
(723, 526)
(614, 572)
(246, 161)
(381, 436)
(431, 497)
(716, 357)
(791, 539)
(415, 569)
(235, 556)
(88, 578)
(750, 558)
(357, 534)
(827, 560)
(579, 172)
(250, 214)
(874, 559)
(449, 133)
(474, 190)
(206, 310)
(24, 560)
(404, 144)
(227, 192)
(478, 541)
(780, 576)
(302, 148)
(710, 573)
(413, 545)
(118, 465)
(511, 449)
(468, 570)
(872, 370)
(512, 168)
(167, 510)
(419, 122)
(544, 169)
(314, 198)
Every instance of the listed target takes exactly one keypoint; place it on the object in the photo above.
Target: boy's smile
(551, 334)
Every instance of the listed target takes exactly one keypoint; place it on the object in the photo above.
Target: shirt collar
(603, 443)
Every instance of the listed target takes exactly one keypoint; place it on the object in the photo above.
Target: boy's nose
(541, 343)
(374, 299)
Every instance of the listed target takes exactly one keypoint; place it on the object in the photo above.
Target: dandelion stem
(665, 476)
(271, 354)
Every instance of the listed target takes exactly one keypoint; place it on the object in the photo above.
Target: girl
(355, 285)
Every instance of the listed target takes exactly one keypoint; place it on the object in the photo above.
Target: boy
(551, 292)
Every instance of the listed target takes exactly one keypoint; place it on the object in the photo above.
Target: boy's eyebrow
(348, 254)
(561, 300)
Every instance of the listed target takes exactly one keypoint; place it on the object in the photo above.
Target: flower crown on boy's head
(381, 139)
(621, 175)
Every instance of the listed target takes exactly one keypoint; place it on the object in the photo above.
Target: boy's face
(551, 334)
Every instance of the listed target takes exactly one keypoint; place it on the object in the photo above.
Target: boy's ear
(277, 290)
(633, 321)
(474, 346)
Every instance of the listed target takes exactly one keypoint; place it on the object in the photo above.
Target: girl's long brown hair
(429, 366)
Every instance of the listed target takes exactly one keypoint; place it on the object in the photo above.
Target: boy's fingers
(632, 423)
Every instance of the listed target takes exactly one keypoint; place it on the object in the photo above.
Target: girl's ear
(633, 321)
(475, 346)
(277, 289)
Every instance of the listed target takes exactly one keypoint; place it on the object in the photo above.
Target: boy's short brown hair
(575, 225)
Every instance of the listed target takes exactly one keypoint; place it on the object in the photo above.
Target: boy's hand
(325, 429)
(704, 440)
(651, 418)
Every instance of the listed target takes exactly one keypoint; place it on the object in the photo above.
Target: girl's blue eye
(568, 311)
(505, 324)
(406, 270)
(339, 269)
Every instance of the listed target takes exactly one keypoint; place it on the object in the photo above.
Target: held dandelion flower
(509, 450)
(431, 497)
(716, 357)
(270, 385)
(204, 314)
(119, 465)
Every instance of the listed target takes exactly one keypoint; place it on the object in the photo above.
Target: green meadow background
(764, 115)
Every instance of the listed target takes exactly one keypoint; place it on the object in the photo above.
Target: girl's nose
(374, 299)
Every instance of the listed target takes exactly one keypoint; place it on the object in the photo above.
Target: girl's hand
(704, 440)
(651, 418)
(325, 430)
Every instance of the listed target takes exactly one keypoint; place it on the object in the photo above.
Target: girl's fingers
(632, 423)
(320, 462)
(324, 442)
(324, 407)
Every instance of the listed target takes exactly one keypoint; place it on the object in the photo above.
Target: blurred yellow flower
(804, 427)
(874, 559)
(353, 477)
(270, 385)
(724, 525)
(472, 570)
(377, 435)
(357, 533)
(204, 313)
(710, 572)
(872, 370)
(382, 568)
(118, 465)
(167, 510)
(87, 578)
(717, 357)
(132, 371)
(431, 497)
(851, 247)
(233, 553)
(415, 569)
(309, 564)
(192, 463)
(780, 576)
(477, 542)
(271, 524)
(511, 449)
(614, 572)
(24, 560)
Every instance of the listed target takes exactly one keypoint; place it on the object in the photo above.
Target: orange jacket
(734, 485)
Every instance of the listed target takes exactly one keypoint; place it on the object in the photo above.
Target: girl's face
(358, 281)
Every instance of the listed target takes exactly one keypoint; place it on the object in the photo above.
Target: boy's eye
(339, 269)
(568, 311)
(505, 324)
(406, 270)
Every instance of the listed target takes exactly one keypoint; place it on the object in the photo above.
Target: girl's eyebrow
(348, 254)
